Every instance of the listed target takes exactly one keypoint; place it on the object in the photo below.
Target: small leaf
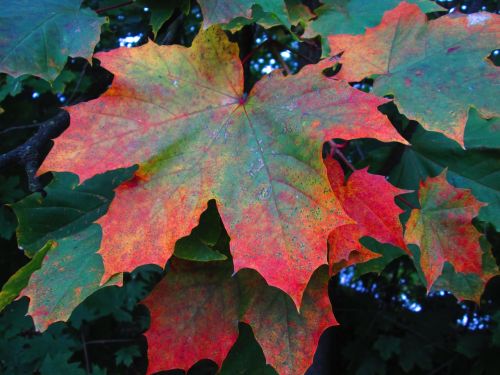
(20, 279)
(246, 356)
(468, 286)
(125, 356)
(443, 229)
(58, 364)
(192, 248)
(475, 168)
(369, 200)
(387, 346)
(161, 11)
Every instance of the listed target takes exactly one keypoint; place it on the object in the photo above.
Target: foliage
(203, 214)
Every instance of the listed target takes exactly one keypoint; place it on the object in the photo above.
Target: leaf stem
(86, 354)
(109, 341)
(111, 7)
(404, 201)
(278, 57)
(335, 150)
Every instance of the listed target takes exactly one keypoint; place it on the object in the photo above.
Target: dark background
(388, 325)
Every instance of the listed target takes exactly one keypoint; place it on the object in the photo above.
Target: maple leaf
(476, 168)
(75, 207)
(288, 338)
(194, 315)
(224, 11)
(269, 16)
(18, 281)
(353, 17)
(161, 11)
(369, 200)
(40, 41)
(195, 311)
(443, 230)
(431, 67)
(481, 133)
(70, 272)
(181, 114)
(246, 356)
(468, 286)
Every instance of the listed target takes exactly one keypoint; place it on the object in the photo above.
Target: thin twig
(335, 149)
(78, 83)
(86, 354)
(28, 155)
(443, 365)
(280, 59)
(109, 341)
(403, 200)
(172, 29)
(282, 45)
(252, 51)
(111, 7)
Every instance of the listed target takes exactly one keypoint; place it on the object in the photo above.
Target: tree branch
(28, 155)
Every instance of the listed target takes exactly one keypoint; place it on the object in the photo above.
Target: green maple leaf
(37, 37)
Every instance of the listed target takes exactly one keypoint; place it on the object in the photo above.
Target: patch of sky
(130, 40)
(473, 321)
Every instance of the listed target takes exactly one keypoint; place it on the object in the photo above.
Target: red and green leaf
(70, 272)
(443, 230)
(258, 156)
(195, 311)
(369, 200)
(194, 315)
(288, 338)
(354, 17)
(432, 68)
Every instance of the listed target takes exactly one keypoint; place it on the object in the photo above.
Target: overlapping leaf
(194, 315)
(443, 230)
(476, 168)
(40, 40)
(369, 200)
(70, 272)
(161, 11)
(18, 281)
(272, 15)
(224, 11)
(246, 356)
(288, 338)
(195, 311)
(181, 114)
(467, 286)
(67, 207)
(62, 219)
(434, 69)
(354, 16)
